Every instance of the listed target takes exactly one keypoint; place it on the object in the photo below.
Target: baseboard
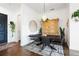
(27, 43)
(74, 52)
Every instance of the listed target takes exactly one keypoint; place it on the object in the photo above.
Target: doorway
(3, 28)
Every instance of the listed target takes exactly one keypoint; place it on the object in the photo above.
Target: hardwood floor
(17, 50)
(66, 49)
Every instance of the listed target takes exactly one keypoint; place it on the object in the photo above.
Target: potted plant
(40, 31)
(75, 15)
(12, 26)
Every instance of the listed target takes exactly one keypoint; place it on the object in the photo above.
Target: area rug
(47, 51)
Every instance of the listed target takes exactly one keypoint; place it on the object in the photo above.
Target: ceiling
(39, 7)
(11, 6)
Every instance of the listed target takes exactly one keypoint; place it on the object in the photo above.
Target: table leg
(52, 47)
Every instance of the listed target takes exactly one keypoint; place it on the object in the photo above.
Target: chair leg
(58, 49)
(52, 47)
(39, 44)
(50, 52)
(42, 47)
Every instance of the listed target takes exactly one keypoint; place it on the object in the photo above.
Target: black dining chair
(36, 38)
(62, 35)
(61, 40)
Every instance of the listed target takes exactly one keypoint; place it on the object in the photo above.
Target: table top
(52, 37)
(39, 35)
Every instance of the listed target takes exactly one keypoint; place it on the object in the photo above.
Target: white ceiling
(11, 6)
(39, 7)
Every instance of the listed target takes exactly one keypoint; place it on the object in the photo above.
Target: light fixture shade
(44, 17)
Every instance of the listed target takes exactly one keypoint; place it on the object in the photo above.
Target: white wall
(63, 15)
(74, 29)
(11, 16)
(27, 14)
(21, 15)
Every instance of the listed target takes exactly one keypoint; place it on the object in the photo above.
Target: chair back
(62, 33)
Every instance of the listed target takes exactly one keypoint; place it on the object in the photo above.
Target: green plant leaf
(12, 26)
(75, 14)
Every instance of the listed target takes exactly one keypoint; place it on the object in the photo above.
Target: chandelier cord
(44, 6)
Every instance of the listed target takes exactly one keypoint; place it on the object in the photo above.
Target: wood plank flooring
(17, 50)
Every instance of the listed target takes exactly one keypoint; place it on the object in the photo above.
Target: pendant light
(44, 15)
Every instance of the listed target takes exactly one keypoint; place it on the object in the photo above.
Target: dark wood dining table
(50, 37)
(46, 40)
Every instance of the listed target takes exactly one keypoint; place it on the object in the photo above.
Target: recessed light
(52, 9)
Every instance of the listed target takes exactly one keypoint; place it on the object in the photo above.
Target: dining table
(46, 40)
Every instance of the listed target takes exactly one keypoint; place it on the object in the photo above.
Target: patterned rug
(47, 51)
